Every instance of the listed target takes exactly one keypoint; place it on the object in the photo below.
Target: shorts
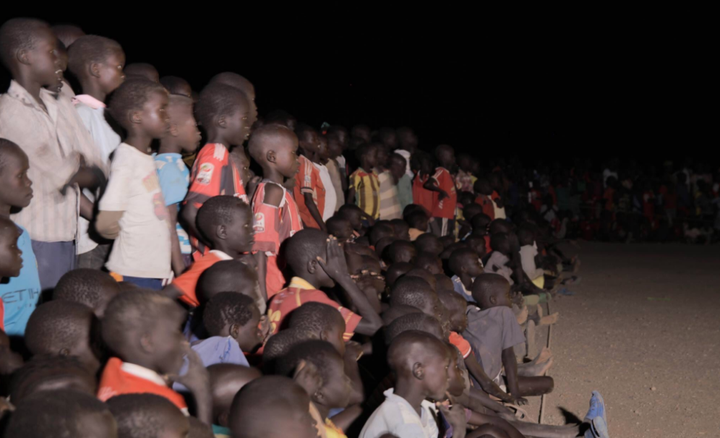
(145, 283)
(500, 380)
(442, 226)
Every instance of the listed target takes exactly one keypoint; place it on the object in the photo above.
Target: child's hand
(336, 266)
(443, 195)
(353, 350)
(197, 377)
(520, 401)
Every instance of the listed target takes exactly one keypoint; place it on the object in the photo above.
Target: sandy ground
(644, 330)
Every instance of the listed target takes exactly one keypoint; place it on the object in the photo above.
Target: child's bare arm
(510, 364)
(350, 199)
(312, 208)
(108, 223)
(178, 264)
(353, 352)
(432, 185)
(86, 208)
(261, 260)
(197, 380)
(188, 215)
(487, 385)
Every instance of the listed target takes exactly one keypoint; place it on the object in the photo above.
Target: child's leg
(534, 386)
(54, 259)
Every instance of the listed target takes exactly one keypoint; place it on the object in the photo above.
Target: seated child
(484, 191)
(380, 230)
(228, 276)
(309, 189)
(61, 413)
(420, 362)
(340, 228)
(528, 251)
(402, 229)
(225, 381)
(50, 372)
(442, 184)
(381, 244)
(363, 186)
(429, 262)
(443, 282)
(477, 244)
(356, 216)
(272, 406)
(397, 270)
(400, 251)
(142, 70)
(223, 112)
(418, 222)
(320, 321)
(142, 329)
(177, 86)
(499, 260)
(423, 274)
(279, 345)
(413, 321)
(64, 328)
(480, 227)
(416, 292)
(465, 266)
(174, 175)
(275, 211)
(128, 209)
(429, 243)
(90, 287)
(147, 415)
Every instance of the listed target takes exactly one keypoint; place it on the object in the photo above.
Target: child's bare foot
(550, 319)
(521, 314)
(535, 370)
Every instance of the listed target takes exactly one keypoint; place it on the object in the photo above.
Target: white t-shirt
(330, 195)
(397, 416)
(143, 247)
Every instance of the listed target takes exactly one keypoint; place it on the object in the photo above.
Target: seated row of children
(246, 306)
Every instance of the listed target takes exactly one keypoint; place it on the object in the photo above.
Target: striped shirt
(389, 200)
(367, 190)
(52, 140)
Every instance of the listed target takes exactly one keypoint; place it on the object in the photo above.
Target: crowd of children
(280, 280)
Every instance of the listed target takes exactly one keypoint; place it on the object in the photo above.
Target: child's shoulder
(273, 194)
(213, 151)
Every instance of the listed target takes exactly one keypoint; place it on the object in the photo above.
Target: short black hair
(336, 224)
(306, 245)
(142, 415)
(380, 230)
(396, 270)
(393, 251)
(84, 286)
(500, 226)
(175, 85)
(302, 130)
(488, 284)
(425, 258)
(58, 325)
(423, 241)
(227, 308)
(472, 210)
(314, 351)
(410, 291)
(90, 49)
(459, 258)
(142, 70)
(263, 136)
(53, 414)
(7, 147)
(18, 34)
(279, 344)
(413, 321)
(234, 80)
(314, 318)
(499, 240)
(395, 312)
(452, 300)
(131, 96)
(226, 276)
(67, 33)
(412, 208)
(134, 310)
(41, 368)
(397, 157)
(416, 218)
(217, 100)
(218, 210)
(480, 221)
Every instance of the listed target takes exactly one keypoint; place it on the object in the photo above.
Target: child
(245, 86)
(142, 329)
(225, 381)
(423, 166)
(64, 328)
(142, 70)
(420, 362)
(225, 222)
(92, 288)
(50, 372)
(484, 191)
(310, 189)
(403, 181)
(228, 276)
(223, 112)
(174, 175)
(399, 251)
(340, 228)
(177, 86)
(407, 141)
(401, 228)
(499, 260)
(147, 415)
(275, 211)
(416, 292)
(397, 270)
(320, 321)
(51, 133)
(330, 150)
(390, 207)
(132, 209)
(418, 222)
(528, 251)
(429, 262)
(429, 243)
(272, 406)
(364, 188)
(318, 261)
(477, 244)
(19, 291)
(442, 184)
(465, 266)
(412, 321)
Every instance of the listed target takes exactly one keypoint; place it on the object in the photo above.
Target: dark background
(632, 87)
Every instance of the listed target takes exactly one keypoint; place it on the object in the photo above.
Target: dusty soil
(644, 330)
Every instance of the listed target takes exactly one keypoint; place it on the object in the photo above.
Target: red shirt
(272, 225)
(120, 377)
(487, 205)
(300, 292)
(187, 282)
(461, 343)
(214, 173)
(308, 180)
(444, 208)
(421, 195)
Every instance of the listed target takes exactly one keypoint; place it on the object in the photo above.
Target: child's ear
(22, 56)
(418, 371)
(221, 122)
(270, 156)
(94, 69)
(312, 266)
(221, 232)
(64, 352)
(146, 343)
(308, 376)
(173, 130)
(234, 330)
(493, 300)
(135, 117)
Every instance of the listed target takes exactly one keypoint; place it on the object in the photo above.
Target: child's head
(90, 287)
(382, 156)
(465, 261)
(225, 381)
(143, 328)
(477, 244)
(235, 315)
(51, 372)
(308, 141)
(98, 62)
(241, 83)
(339, 227)
(227, 276)
(472, 210)
(397, 270)
(413, 321)
(367, 155)
(429, 243)
(480, 223)
(397, 165)
(11, 261)
(224, 111)
(67, 33)
(319, 368)
(456, 307)
(401, 228)
(16, 187)
(398, 252)
(305, 247)
(429, 262)
(465, 162)
(421, 361)
(275, 147)
(142, 70)
(383, 243)
(491, 290)
(353, 214)
(416, 292)
(418, 220)
(227, 223)
(148, 415)
(445, 155)
(281, 117)
(395, 312)
(177, 86)
(183, 127)
(320, 321)
(482, 186)
(424, 275)
(272, 406)
(406, 138)
(443, 282)
(324, 149)
(500, 242)
(139, 105)
(279, 344)
(526, 236)
(28, 48)
(500, 226)
(64, 328)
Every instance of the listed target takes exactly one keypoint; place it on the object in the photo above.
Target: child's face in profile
(336, 392)
(437, 378)
(472, 266)
(456, 383)
(16, 186)
(154, 115)
(110, 73)
(185, 127)
(240, 231)
(44, 60)
(286, 159)
(250, 336)
(168, 342)
(397, 168)
(10, 255)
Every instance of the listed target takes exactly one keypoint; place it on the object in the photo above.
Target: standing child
(397, 166)
(330, 155)
(309, 188)
(423, 167)
(174, 175)
(132, 210)
(276, 218)
(364, 187)
(390, 207)
(445, 196)
(19, 294)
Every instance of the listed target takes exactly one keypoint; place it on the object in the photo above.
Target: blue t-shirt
(21, 294)
(174, 179)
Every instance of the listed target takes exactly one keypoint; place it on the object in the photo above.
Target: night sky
(548, 90)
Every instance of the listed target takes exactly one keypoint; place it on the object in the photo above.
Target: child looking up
(223, 112)
(276, 215)
(19, 292)
(132, 209)
(174, 175)
(309, 188)
(442, 184)
(364, 188)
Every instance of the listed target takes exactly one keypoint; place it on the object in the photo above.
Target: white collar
(221, 255)
(143, 373)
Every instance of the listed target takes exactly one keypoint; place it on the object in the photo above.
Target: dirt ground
(644, 330)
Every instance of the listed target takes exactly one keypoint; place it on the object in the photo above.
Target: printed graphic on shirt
(259, 222)
(205, 173)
